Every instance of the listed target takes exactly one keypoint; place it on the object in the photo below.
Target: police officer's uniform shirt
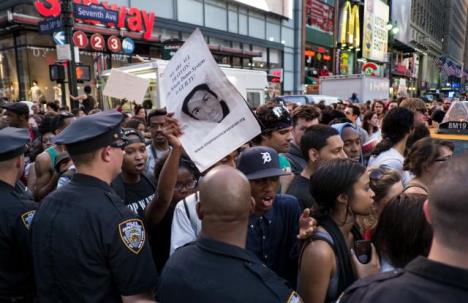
(16, 273)
(212, 271)
(88, 246)
(272, 237)
(422, 280)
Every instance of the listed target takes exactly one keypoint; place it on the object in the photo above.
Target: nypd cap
(91, 132)
(260, 162)
(13, 142)
(18, 108)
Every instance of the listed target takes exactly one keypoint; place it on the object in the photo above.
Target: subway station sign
(95, 12)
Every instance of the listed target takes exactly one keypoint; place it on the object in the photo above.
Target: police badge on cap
(132, 233)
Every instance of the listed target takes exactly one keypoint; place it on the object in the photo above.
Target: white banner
(122, 85)
(214, 116)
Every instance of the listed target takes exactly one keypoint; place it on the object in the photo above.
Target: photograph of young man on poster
(203, 104)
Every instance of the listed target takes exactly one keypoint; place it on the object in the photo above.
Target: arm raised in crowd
(158, 207)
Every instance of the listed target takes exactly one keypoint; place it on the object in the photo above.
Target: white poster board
(122, 85)
(214, 117)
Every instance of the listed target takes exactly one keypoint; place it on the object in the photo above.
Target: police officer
(16, 273)
(217, 267)
(443, 275)
(87, 245)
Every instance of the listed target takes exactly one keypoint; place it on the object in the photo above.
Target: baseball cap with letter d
(260, 162)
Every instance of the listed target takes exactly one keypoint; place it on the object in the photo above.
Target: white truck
(366, 88)
(252, 84)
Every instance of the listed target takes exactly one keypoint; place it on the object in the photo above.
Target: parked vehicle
(366, 88)
(252, 84)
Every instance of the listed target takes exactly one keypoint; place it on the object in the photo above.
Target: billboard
(375, 41)
(320, 16)
(279, 7)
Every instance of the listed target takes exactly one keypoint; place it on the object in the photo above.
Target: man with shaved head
(217, 267)
(443, 275)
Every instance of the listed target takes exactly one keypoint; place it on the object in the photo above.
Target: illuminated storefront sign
(113, 15)
(375, 42)
(320, 16)
(350, 34)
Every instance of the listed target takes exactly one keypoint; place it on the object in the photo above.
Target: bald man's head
(224, 196)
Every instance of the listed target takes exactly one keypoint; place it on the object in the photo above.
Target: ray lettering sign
(95, 12)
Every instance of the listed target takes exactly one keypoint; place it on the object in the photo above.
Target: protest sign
(123, 85)
(214, 117)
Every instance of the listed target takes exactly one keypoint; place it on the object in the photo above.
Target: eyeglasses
(188, 186)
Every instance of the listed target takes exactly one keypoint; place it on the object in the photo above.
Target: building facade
(241, 33)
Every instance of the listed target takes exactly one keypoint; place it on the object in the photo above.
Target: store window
(243, 24)
(260, 62)
(287, 36)
(275, 58)
(162, 8)
(190, 11)
(318, 61)
(273, 30)
(216, 14)
(8, 75)
(233, 21)
(256, 25)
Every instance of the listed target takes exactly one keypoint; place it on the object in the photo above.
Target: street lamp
(393, 29)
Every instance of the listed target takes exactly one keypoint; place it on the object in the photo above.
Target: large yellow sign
(350, 26)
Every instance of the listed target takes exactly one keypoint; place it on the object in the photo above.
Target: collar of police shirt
(440, 272)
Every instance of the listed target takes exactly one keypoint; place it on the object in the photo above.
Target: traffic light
(82, 72)
(57, 72)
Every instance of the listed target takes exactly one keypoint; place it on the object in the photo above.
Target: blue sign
(59, 38)
(128, 46)
(95, 12)
(50, 25)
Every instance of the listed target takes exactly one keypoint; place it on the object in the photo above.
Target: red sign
(320, 16)
(97, 42)
(133, 19)
(114, 44)
(80, 39)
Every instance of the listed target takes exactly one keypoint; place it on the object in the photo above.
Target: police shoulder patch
(294, 298)
(27, 218)
(132, 233)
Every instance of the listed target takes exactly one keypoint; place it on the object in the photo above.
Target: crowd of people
(350, 203)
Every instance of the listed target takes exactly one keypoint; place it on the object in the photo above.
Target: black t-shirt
(160, 239)
(88, 104)
(136, 196)
(300, 189)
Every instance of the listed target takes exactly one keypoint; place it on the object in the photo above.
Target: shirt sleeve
(130, 257)
(182, 231)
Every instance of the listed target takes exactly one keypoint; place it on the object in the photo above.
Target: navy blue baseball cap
(18, 108)
(13, 142)
(91, 132)
(260, 162)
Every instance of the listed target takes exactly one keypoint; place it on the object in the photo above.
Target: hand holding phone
(363, 251)
(372, 266)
